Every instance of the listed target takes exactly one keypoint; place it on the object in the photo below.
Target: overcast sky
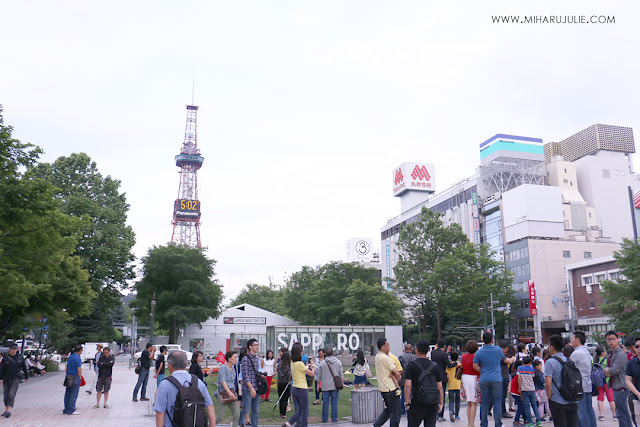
(306, 107)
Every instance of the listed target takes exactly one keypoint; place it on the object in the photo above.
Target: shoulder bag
(336, 379)
(261, 381)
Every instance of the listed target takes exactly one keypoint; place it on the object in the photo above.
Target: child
(513, 389)
(454, 389)
(396, 361)
(541, 394)
(527, 389)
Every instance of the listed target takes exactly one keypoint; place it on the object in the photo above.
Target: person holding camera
(143, 377)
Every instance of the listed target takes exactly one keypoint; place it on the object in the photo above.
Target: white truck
(89, 350)
(170, 349)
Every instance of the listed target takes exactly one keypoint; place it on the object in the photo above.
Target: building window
(587, 254)
(592, 306)
(587, 280)
(615, 275)
(571, 183)
(565, 181)
(580, 306)
(566, 254)
(565, 171)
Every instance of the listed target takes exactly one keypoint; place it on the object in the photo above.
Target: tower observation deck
(186, 209)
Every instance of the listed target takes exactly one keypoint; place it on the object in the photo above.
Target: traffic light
(507, 309)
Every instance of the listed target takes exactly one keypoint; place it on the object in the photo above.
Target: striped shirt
(527, 374)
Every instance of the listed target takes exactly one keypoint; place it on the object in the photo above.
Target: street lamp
(153, 309)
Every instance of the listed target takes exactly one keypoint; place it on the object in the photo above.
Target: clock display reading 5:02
(187, 209)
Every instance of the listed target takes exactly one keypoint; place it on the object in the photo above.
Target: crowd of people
(554, 383)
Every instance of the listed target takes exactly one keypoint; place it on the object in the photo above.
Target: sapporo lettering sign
(316, 341)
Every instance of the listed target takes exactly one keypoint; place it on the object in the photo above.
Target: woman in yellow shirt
(299, 391)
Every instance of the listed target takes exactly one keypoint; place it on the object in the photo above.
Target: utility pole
(493, 322)
(153, 309)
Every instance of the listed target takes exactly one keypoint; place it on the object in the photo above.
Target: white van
(89, 350)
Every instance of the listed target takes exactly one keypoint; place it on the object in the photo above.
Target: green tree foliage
(185, 289)
(267, 297)
(622, 298)
(340, 294)
(39, 274)
(444, 274)
(105, 240)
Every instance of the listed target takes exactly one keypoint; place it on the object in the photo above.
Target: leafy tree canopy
(267, 297)
(340, 294)
(182, 280)
(444, 274)
(622, 298)
(39, 274)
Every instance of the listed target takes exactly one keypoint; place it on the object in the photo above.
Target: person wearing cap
(10, 367)
(96, 357)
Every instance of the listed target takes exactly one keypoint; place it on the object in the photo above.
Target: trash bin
(366, 405)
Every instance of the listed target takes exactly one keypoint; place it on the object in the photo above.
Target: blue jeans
(391, 410)
(505, 393)
(529, 401)
(70, 397)
(490, 393)
(330, 396)
(250, 404)
(518, 401)
(159, 379)
(586, 414)
(621, 398)
(143, 377)
(301, 405)
(403, 407)
(454, 402)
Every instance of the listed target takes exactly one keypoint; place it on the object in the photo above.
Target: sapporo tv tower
(186, 210)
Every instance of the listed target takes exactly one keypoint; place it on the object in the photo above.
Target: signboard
(187, 209)
(415, 177)
(344, 342)
(359, 249)
(244, 320)
(533, 308)
(636, 200)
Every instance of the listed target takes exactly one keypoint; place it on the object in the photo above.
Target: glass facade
(343, 339)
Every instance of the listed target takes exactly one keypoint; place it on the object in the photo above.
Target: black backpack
(428, 393)
(571, 389)
(189, 409)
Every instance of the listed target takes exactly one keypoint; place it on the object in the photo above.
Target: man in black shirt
(417, 413)
(441, 358)
(105, 369)
(10, 367)
(145, 364)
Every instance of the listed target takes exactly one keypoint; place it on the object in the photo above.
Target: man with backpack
(183, 400)
(423, 382)
(441, 358)
(582, 359)
(404, 359)
(563, 411)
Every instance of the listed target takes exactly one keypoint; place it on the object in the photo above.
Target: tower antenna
(186, 209)
(193, 87)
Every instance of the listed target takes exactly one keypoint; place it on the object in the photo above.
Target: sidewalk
(40, 401)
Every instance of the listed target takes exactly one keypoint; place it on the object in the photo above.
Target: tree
(443, 273)
(622, 298)
(322, 296)
(267, 297)
(39, 274)
(181, 279)
(105, 242)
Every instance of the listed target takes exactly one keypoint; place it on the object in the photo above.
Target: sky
(305, 107)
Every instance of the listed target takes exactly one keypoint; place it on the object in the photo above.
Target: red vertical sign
(533, 308)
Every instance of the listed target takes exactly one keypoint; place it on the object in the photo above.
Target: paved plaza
(39, 403)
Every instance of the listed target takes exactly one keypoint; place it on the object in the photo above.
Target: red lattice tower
(186, 210)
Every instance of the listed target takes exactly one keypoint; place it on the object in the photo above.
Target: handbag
(458, 374)
(336, 379)
(138, 367)
(69, 380)
(82, 382)
(367, 371)
(228, 397)
(262, 381)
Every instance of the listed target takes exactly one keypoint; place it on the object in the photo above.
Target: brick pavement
(40, 401)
